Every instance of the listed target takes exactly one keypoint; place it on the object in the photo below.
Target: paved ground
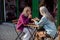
(7, 31)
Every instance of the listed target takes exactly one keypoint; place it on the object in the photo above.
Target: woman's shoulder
(21, 15)
(44, 17)
(42, 7)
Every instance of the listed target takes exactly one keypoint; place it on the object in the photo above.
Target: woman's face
(28, 11)
(41, 12)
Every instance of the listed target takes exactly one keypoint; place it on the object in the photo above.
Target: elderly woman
(47, 22)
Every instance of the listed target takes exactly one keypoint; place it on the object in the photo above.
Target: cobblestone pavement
(7, 31)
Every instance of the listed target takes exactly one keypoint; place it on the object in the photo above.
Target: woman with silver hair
(47, 22)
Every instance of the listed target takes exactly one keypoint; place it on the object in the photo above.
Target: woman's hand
(36, 19)
(29, 16)
(33, 19)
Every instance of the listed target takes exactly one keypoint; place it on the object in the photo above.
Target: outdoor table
(36, 32)
(32, 25)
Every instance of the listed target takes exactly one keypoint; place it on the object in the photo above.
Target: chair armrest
(15, 21)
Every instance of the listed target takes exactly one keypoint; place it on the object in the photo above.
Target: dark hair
(42, 3)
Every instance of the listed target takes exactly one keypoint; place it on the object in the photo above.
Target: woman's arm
(25, 20)
(41, 22)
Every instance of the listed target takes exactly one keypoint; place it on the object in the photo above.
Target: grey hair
(45, 12)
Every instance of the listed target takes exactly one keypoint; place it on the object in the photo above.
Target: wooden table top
(32, 25)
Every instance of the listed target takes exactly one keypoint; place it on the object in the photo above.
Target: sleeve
(22, 21)
(25, 20)
(41, 22)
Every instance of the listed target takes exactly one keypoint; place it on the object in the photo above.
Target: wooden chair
(42, 35)
(18, 33)
(59, 32)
